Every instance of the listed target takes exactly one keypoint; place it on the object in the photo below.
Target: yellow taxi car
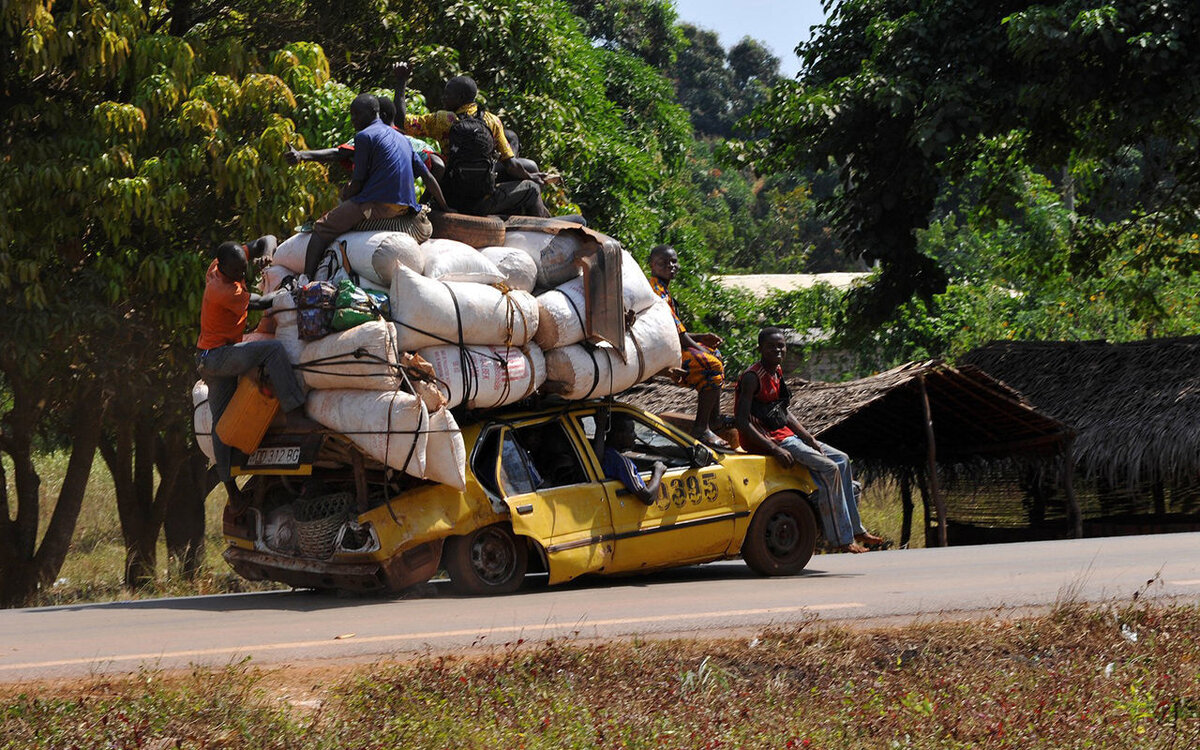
(535, 499)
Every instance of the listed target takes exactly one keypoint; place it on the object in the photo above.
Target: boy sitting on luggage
(702, 368)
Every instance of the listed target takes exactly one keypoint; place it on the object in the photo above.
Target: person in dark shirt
(344, 154)
(381, 186)
(608, 443)
(521, 196)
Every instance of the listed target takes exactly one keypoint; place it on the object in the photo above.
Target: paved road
(293, 626)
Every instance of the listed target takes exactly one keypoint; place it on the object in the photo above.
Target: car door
(552, 498)
(692, 520)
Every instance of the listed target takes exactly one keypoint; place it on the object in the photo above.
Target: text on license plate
(283, 456)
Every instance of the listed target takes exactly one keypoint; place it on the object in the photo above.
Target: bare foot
(711, 439)
(868, 538)
(852, 548)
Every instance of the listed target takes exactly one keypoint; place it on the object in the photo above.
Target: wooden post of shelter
(906, 500)
(939, 502)
(1074, 514)
(919, 472)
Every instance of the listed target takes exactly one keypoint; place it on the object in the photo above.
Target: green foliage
(904, 97)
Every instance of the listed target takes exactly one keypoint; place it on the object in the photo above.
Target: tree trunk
(24, 565)
(183, 524)
(131, 461)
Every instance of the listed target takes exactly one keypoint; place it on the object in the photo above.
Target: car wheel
(489, 560)
(781, 536)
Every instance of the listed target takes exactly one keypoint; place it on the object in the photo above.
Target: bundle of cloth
(393, 334)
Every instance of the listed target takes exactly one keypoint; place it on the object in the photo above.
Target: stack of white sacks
(471, 314)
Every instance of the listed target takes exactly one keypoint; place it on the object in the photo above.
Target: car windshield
(650, 444)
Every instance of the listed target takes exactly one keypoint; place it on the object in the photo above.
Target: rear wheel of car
(781, 537)
(489, 560)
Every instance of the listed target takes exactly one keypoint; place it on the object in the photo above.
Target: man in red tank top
(766, 426)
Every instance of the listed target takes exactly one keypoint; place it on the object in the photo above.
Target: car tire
(489, 560)
(477, 231)
(781, 537)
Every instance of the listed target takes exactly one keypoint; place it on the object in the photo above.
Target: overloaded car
(319, 514)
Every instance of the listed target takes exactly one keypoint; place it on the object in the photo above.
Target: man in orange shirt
(221, 355)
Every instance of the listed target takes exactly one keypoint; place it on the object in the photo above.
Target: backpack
(471, 160)
(773, 415)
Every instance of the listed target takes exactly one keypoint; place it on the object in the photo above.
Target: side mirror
(701, 456)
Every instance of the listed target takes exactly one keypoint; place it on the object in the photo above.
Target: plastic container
(247, 417)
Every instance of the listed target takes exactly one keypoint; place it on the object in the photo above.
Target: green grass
(1103, 677)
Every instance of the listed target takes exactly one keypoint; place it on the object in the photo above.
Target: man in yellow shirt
(472, 142)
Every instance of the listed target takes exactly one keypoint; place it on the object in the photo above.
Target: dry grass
(92, 571)
(1079, 677)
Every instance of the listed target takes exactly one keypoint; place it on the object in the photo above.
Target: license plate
(280, 456)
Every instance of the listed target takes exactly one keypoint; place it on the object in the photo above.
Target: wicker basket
(318, 521)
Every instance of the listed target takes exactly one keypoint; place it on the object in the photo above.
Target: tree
(130, 154)
(903, 96)
(139, 134)
(755, 70)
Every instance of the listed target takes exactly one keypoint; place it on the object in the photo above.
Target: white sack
(364, 358)
(493, 375)
(520, 272)
(361, 248)
(202, 420)
(554, 254)
(450, 260)
(391, 247)
(396, 247)
(445, 452)
(391, 427)
(274, 275)
(652, 345)
(429, 313)
(371, 286)
(290, 253)
(287, 326)
(562, 311)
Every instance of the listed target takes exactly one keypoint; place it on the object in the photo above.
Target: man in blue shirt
(619, 438)
(381, 186)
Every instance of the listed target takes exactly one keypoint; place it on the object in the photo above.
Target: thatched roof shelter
(1135, 406)
(908, 421)
(881, 419)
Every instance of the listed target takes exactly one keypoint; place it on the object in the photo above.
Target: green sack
(355, 306)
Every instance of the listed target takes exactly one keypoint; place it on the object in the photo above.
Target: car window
(517, 473)
(552, 453)
(483, 462)
(650, 444)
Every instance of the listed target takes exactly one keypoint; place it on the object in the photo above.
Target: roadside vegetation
(1108, 676)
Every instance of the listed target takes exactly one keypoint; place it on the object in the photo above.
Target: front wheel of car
(782, 536)
(489, 560)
